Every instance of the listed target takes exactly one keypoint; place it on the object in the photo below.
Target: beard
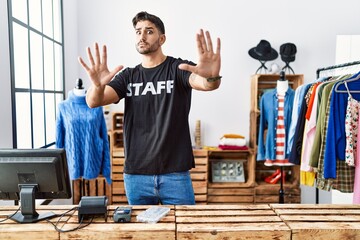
(146, 48)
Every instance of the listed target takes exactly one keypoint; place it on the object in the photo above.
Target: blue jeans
(167, 189)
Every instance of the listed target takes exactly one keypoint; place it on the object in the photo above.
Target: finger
(199, 46)
(91, 59)
(97, 54)
(218, 47)
(116, 70)
(104, 55)
(209, 42)
(81, 61)
(187, 67)
(202, 40)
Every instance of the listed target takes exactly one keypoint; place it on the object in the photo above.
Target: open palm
(98, 71)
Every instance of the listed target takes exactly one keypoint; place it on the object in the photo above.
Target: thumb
(116, 70)
(187, 67)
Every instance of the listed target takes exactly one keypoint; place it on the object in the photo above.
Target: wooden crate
(229, 222)
(320, 221)
(199, 176)
(230, 195)
(269, 193)
(259, 84)
(118, 188)
(94, 187)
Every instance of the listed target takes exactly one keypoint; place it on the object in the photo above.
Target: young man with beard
(157, 93)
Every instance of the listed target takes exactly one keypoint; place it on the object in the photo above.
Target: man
(157, 95)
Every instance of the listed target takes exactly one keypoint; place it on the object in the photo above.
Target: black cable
(10, 216)
(80, 226)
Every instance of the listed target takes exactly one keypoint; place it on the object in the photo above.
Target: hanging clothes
(82, 132)
(336, 140)
(356, 196)
(351, 128)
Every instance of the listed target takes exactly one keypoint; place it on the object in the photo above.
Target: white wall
(240, 25)
(311, 25)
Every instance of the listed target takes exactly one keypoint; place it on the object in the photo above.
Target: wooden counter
(98, 229)
(275, 221)
(229, 222)
(321, 221)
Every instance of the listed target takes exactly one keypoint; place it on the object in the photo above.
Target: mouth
(142, 44)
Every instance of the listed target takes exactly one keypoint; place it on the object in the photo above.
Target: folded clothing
(232, 135)
(229, 147)
(233, 141)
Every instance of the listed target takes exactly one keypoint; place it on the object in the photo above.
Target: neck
(153, 60)
(282, 86)
(79, 92)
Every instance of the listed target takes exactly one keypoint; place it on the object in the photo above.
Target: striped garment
(280, 129)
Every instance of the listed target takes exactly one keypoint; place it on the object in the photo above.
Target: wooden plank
(77, 193)
(117, 177)
(228, 219)
(230, 191)
(224, 207)
(275, 198)
(199, 186)
(276, 230)
(117, 169)
(28, 231)
(118, 153)
(200, 198)
(231, 199)
(198, 176)
(200, 168)
(315, 206)
(201, 160)
(225, 212)
(322, 218)
(200, 153)
(100, 183)
(92, 187)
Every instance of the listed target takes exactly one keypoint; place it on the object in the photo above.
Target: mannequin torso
(282, 86)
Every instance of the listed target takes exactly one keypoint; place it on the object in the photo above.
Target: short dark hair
(142, 16)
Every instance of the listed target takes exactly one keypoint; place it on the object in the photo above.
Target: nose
(142, 36)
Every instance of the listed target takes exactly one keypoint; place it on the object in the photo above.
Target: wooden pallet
(311, 221)
(94, 187)
(229, 222)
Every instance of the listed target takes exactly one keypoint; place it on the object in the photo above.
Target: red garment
(230, 147)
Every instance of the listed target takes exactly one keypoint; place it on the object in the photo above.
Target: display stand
(281, 190)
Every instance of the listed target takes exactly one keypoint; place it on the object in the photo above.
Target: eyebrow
(146, 28)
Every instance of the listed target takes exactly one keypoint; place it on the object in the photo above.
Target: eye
(149, 32)
(137, 32)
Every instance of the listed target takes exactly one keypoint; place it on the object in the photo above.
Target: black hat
(263, 51)
(287, 52)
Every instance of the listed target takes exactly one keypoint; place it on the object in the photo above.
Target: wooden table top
(265, 221)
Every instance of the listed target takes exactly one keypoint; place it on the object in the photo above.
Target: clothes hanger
(353, 78)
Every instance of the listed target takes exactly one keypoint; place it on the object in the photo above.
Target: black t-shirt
(156, 127)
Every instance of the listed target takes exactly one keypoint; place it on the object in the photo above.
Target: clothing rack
(339, 66)
(331, 70)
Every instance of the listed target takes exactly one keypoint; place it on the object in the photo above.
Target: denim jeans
(167, 189)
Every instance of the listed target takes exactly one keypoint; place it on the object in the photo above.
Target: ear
(162, 39)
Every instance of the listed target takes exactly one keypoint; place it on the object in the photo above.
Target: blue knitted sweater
(82, 132)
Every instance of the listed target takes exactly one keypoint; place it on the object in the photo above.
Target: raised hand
(98, 70)
(209, 62)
